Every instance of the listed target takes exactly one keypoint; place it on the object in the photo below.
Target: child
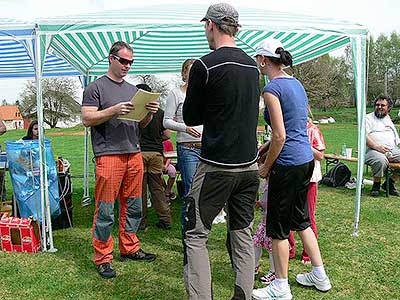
(261, 241)
(318, 147)
(169, 169)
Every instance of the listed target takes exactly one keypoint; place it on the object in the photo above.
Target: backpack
(337, 176)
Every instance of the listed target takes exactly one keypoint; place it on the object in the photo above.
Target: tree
(384, 67)
(327, 81)
(59, 102)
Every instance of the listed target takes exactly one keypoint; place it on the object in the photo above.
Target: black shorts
(287, 207)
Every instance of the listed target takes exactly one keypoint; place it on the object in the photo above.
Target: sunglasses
(122, 61)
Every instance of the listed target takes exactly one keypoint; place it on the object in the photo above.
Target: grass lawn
(366, 267)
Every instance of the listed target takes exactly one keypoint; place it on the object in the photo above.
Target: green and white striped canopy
(164, 36)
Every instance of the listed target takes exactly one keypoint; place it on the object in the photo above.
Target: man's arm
(193, 106)
(92, 116)
(373, 145)
(3, 128)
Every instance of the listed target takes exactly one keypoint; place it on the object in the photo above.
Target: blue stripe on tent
(16, 33)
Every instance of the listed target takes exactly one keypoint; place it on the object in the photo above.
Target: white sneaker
(272, 293)
(309, 279)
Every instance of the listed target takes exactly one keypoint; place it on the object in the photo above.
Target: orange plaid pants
(117, 176)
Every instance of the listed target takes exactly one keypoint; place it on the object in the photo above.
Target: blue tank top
(294, 102)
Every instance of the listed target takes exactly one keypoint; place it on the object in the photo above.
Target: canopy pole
(47, 233)
(358, 45)
(86, 200)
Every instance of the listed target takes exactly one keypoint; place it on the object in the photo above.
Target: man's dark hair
(144, 87)
(118, 46)
(388, 100)
(227, 29)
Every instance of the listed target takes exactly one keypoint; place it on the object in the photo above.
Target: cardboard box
(19, 234)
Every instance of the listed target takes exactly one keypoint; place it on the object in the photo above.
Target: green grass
(365, 267)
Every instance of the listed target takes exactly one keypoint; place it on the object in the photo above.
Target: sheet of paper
(140, 100)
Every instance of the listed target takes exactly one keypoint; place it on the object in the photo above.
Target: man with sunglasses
(382, 144)
(223, 96)
(119, 166)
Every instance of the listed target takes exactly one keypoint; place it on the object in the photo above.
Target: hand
(382, 149)
(263, 149)
(123, 108)
(263, 171)
(153, 106)
(193, 132)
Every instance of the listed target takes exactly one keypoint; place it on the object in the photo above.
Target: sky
(379, 16)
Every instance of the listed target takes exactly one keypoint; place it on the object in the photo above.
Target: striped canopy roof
(164, 36)
(17, 55)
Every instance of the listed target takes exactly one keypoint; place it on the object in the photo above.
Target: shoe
(375, 189)
(268, 278)
(219, 219)
(309, 279)
(138, 255)
(171, 196)
(106, 270)
(163, 225)
(272, 293)
(305, 260)
(86, 201)
(392, 189)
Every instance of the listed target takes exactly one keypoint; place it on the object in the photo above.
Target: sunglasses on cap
(122, 61)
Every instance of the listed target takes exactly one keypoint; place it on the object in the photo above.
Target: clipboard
(139, 100)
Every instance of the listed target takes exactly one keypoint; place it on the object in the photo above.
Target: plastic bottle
(344, 150)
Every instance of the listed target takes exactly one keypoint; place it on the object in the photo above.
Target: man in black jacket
(223, 96)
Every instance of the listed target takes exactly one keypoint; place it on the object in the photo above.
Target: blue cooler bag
(24, 166)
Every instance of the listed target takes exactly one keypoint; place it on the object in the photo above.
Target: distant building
(11, 116)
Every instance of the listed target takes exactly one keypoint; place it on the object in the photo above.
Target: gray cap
(222, 13)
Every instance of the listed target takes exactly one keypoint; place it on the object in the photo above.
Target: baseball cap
(268, 48)
(222, 13)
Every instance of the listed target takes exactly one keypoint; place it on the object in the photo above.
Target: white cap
(268, 48)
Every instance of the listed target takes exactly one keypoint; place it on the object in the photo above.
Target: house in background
(11, 116)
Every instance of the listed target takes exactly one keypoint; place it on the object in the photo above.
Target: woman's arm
(171, 107)
(278, 133)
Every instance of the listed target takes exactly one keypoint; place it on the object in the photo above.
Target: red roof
(10, 112)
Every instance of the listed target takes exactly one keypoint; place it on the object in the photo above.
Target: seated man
(382, 141)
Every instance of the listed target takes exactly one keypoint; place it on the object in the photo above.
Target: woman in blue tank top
(288, 166)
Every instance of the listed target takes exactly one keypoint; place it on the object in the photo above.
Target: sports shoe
(171, 196)
(305, 260)
(106, 270)
(268, 278)
(163, 225)
(86, 201)
(138, 255)
(272, 293)
(309, 279)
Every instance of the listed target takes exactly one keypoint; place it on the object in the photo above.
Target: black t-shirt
(223, 96)
(114, 136)
(151, 135)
